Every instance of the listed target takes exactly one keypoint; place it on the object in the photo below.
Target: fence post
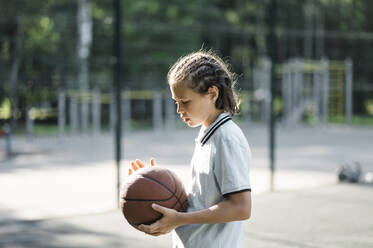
(73, 114)
(29, 122)
(126, 110)
(266, 78)
(300, 83)
(157, 110)
(112, 112)
(247, 114)
(286, 93)
(85, 113)
(96, 111)
(349, 91)
(325, 91)
(293, 85)
(316, 96)
(61, 112)
(170, 113)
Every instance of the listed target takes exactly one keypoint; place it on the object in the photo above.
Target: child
(220, 193)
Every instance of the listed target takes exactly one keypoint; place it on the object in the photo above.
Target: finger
(158, 208)
(152, 163)
(156, 234)
(134, 166)
(129, 171)
(143, 228)
(146, 229)
(138, 162)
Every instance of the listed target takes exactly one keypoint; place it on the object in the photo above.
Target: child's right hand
(138, 165)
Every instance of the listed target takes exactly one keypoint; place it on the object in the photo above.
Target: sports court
(87, 86)
(68, 192)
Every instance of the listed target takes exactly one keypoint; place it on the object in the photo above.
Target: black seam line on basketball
(182, 203)
(213, 128)
(186, 201)
(154, 180)
(216, 128)
(173, 193)
(181, 191)
(177, 201)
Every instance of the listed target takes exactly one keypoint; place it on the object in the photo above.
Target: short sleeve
(232, 166)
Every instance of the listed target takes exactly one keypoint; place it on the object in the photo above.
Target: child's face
(194, 108)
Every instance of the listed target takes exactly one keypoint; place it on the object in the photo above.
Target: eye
(182, 102)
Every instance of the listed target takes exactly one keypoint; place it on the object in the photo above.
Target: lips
(186, 119)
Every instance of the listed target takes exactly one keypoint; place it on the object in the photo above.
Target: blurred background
(55, 51)
(58, 107)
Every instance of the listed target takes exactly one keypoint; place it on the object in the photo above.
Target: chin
(192, 124)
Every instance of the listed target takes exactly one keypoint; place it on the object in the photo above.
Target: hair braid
(200, 71)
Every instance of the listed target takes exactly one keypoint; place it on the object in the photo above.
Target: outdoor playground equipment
(86, 112)
(322, 87)
(80, 104)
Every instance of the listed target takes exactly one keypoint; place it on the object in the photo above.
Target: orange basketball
(147, 186)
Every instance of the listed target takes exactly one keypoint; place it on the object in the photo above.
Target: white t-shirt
(220, 166)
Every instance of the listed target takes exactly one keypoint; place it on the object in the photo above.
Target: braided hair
(202, 70)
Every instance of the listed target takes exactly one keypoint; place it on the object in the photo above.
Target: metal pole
(96, 111)
(117, 92)
(61, 113)
(157, 110)
(316, 96)
(348, 90)
(325, 91)
(273, 55)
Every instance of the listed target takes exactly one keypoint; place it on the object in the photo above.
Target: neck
(212, 118)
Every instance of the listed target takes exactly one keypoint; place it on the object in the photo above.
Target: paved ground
(297, 148)
(60, 192)
(326, 216)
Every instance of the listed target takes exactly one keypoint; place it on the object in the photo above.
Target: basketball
(147, 186)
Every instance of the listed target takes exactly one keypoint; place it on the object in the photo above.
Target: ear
(213, 93)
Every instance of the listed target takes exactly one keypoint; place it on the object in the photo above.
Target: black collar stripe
(214, 128)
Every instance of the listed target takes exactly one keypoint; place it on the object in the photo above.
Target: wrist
(181, 219)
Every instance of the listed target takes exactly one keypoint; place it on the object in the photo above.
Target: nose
(178, 109)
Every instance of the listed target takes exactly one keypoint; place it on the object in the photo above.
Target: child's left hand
(169, 221)
(139, 165)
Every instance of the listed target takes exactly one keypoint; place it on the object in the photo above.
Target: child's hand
(138, 165)
(169, 221)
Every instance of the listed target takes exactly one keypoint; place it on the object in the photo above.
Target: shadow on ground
(56, 233)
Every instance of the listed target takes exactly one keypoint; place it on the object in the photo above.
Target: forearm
(225, 211)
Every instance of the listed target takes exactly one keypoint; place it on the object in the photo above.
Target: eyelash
(182, 102)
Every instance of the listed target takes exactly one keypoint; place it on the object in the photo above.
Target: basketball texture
(147, 186)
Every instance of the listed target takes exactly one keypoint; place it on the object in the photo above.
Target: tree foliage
(157, 32)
